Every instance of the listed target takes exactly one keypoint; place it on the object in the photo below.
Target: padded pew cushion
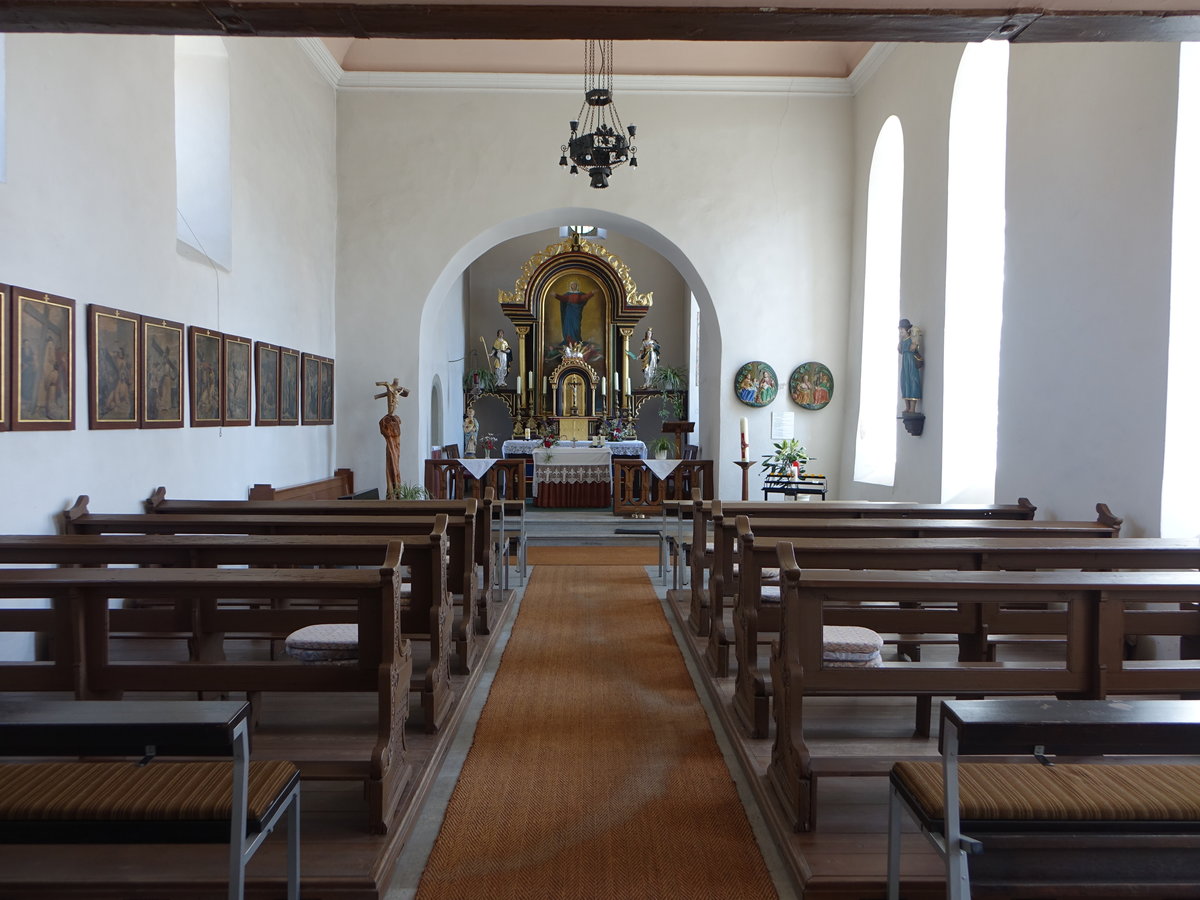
(102, 795)
(851, 646)
(1064, 792)
(323, 643)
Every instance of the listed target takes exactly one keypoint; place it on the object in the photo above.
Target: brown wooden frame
(325, 391)
(172, 353)
(310, 392)
(6, 400)
(21, 297)
(289, 386)
(209, 413)
(266, 384)
(237, 385)
(108, 333)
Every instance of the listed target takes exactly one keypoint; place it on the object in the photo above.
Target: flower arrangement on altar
(489, 444)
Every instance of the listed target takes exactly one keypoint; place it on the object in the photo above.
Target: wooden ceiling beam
(323, 18)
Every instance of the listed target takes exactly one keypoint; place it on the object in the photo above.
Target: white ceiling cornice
(625, 84)
(325, 64)
(869, 65)
(322, 59)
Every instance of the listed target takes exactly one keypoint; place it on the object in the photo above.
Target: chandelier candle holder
(599, 142)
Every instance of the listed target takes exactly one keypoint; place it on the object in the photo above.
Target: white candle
(745, 440)
(519, 385)
(617, 382)
(545, 384)
(603, 386)
(526, 434)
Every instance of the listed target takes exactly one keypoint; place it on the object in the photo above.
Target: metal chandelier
(599, 142)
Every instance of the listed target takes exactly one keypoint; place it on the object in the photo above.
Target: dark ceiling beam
(322, 18)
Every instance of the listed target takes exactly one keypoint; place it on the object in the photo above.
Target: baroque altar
(573, 310)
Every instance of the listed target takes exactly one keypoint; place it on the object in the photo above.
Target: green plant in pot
(409, 491)
(659, 447)
(481, 379)
(671, 384)
(782, 462)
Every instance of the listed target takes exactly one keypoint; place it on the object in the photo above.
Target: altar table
(517, 447)
(572, 476)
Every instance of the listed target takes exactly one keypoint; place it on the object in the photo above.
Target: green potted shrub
(782, 461)
(671, 384)
(660, 446)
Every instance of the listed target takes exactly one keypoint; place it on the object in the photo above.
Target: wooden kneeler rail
(151, 729)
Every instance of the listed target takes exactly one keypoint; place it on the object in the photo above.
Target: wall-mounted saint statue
(911, 363)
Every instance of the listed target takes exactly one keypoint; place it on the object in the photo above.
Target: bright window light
(3, 125)
(1181, 488)
(875, 443)
(974, 273)
(203, 184)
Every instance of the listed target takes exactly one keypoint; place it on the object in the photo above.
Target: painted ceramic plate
(756, 384)
(811, 385)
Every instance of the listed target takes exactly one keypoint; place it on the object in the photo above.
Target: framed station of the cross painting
(42, 341)
(289, 386)
(235, 406)
(325, 391)
(205, 382)
(310, 395)
(5, 399)
(266, 384)
(113, 378)
(162, 373)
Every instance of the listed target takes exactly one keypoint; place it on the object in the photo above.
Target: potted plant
(671, 384)
(660, 447)
(409, 491)
(787, 459)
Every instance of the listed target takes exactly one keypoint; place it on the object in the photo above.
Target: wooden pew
(340, 485)
(426, 614)
(1094, 621)
(700, 558)
(361, 520)
(752, 617)
(480, 507)
(723, 583)
(82, 623)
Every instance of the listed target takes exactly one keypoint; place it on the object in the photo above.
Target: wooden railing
(637, 490)
(445, 479)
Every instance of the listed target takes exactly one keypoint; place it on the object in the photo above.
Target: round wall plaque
(811, 385)
(756, 384)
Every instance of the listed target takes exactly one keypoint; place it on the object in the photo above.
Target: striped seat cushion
(322, 643)
(1063, 792)
(126, 792)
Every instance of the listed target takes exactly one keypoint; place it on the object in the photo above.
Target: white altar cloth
(635, 449)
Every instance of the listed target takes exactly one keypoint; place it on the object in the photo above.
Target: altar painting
(573, 314)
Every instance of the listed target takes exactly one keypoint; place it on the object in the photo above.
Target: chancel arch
(524, 231)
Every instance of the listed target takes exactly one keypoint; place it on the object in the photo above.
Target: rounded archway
(446, 288)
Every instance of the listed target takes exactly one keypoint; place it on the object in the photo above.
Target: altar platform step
(587, 527)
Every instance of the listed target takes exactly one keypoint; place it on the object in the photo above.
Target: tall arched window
(1181, 489)
(203, 185)
(875, 443)
(974, 273)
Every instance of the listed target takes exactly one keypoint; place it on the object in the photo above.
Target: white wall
(914, 83)
(759, 230)
(1083, 355)
(1087, 286)
(88, 212)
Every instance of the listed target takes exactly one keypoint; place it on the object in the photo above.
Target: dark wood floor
(340, 859)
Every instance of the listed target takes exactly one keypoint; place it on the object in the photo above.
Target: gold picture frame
(114, 367)
(43, 361)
